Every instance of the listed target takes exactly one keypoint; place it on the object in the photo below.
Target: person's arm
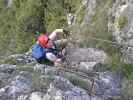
(53, 35)
(51, 57)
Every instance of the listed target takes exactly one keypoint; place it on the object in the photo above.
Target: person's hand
(58, 63)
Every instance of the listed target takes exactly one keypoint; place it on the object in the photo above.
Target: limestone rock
(37, 96)
(21, 84)
(87, 66)
(77, 55)
(62, 89)
(109, 85)
(123, 26)
(9, 3)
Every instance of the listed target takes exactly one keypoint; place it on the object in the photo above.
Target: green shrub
(77, 81)
(17, 26)
(19, 22)
(100, 19)
(121, 22)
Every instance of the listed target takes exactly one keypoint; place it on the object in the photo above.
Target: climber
(47, 47)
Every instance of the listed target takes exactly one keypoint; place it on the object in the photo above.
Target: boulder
(18, 59)
(37, 96)
(85, 59)
(8, 3)
(108, 85)
(23, 97)
(62, 89)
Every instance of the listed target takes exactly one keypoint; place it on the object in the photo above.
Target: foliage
(25, 17)
(78, 82)
(56, 12)
(28, 68)
(121, 22)
(97, 27)
(13, 34)
(127, 85)
(100, 19)
(80, 16)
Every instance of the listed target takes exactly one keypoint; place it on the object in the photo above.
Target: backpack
(38, 51)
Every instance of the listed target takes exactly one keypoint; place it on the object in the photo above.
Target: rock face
(122, 23)
(86, 54)
(118, 19)
(25, 58)
(32, 81)
(85, 58)
(20, 84)
(24, 79)
(90, 6)
(109, 84)
(62, 89)
(8, 3)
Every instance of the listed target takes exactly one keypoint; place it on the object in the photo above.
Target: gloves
(58, 30)
(66, 32)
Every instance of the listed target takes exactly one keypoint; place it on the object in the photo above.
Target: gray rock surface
(57, 86)
(123, 10)
(45, 82)
(8, 3)
(109, 84)
(88, 66)
(20, 84)
(25, 58)
(23, 97)
(62, 89)
(90, 7)
(6, 70)
(37, 96)
(128, 55)
(85, 58)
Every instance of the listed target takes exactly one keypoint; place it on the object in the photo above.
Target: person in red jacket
(50, 43)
